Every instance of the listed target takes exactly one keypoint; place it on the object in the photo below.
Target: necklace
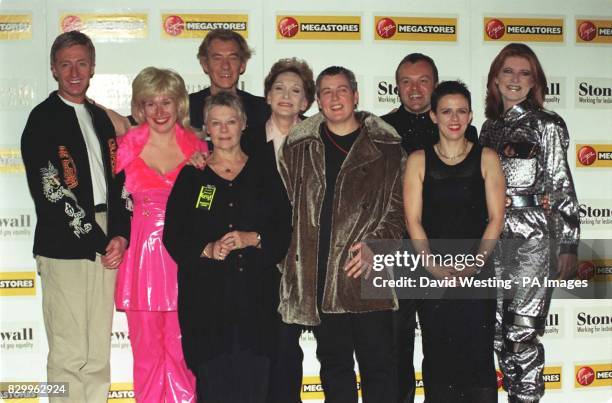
(454, 157)
(329, 136)
(224, 166)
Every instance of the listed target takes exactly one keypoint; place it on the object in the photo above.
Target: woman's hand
(217, 250)
(360, 262)
(240, 239)
(467, 271)
(441, 272)
(198, 160)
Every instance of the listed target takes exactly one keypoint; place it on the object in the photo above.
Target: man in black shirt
(223, 55)
(416, 77)
(69, 150)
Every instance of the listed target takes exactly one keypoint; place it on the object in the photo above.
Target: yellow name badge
(206, 196)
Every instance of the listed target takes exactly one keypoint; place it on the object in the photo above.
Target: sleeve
(120, 222)
(276, 230)
(485, 138)
(563, 200)
(182, 237)
(53, 198)
(392, 224)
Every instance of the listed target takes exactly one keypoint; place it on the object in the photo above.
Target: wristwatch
(258, 240)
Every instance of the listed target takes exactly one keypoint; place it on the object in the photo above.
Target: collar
(518, 110)
(273, 132)
(375, 128)
(424, 117)
(132, 143)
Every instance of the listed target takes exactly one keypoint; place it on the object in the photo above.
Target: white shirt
(94, 154)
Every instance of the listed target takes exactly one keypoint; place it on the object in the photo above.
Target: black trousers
(403, 328)
(286, 372)
(238, 377)
(458, 339)
(370, 337)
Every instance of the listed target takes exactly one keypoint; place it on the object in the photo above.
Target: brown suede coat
(367, 205)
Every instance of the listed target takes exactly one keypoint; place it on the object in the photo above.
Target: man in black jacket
(416, 77)
(68, 148)
(223, 55)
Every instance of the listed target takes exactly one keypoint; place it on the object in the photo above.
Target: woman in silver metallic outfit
(537, 242)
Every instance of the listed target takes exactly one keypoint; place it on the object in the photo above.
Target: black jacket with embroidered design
(59, 177)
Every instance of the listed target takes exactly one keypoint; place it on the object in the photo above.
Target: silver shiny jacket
(532, 144)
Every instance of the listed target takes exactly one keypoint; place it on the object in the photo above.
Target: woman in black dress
(227, 226)
(454, 190)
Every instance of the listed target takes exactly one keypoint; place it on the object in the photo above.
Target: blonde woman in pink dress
(152, 155)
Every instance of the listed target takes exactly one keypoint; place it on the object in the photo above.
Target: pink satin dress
(146, 283)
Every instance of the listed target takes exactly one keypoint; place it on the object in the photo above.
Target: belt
(524, 201)
(100, 208)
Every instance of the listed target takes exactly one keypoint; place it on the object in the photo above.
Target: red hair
(494, 106)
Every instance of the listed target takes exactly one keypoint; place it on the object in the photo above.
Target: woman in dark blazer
(227, 226)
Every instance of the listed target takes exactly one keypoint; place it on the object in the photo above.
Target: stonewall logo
(593, 155)
(20, 283)
(523, 29)
(17, 337)
(199, 25)
(592, 375)
(594, 31)
(593, 322)
(415, 29)
(386, 91)
(15, 26)
(594, 93)
(318, 27)
(121, 393)
(555, 93)
(120, 339)
(596, 269)
(552, 378)
(106, 26)
(554, 328)
(16, 224)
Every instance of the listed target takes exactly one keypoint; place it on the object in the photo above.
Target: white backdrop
(579, 332)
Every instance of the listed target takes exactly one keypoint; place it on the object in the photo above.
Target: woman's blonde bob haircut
(152, 82)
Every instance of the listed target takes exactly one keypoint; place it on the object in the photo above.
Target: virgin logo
(500, 379)
(174, 25)
(587, 155)
(288, 27)
(585, 376)
(71, 23)
(587, 31)
(495, 29)
(386, 27)
(586, 270)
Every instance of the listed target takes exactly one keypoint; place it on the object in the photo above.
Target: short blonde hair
(152, 82)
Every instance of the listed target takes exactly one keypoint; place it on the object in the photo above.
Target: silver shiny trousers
(524, 254)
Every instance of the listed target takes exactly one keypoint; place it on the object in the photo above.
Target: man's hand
(566, 266)
(360, 262)
(114, 252)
